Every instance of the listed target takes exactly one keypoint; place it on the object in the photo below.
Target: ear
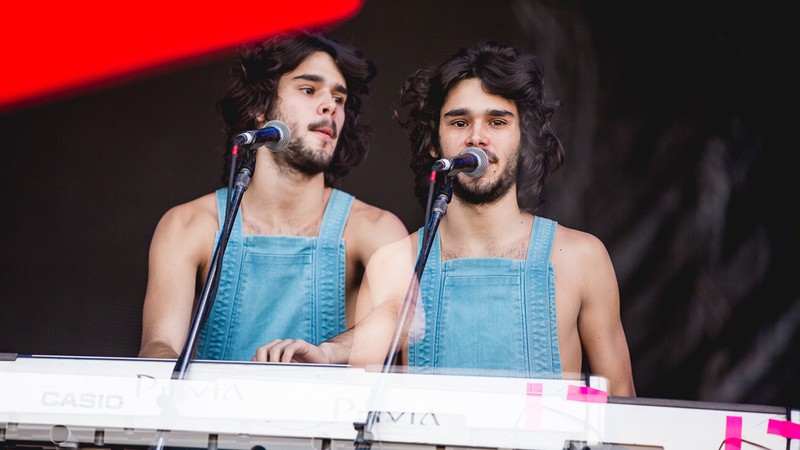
(260, 120)
(434, 154)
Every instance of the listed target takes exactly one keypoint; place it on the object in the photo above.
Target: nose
(476, 137)
(328, 105)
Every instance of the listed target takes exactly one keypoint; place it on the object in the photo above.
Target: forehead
(316, 65)
(469, 95)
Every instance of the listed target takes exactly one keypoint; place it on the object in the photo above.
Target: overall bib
(287, 287)
(488, 316)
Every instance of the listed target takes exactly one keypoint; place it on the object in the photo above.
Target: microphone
(275, 135)
(472, 161)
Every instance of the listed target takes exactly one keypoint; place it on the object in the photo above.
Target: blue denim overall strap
(488, 316)
(278, 287)
(540, 304)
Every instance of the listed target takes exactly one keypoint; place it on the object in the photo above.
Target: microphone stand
(209, 291)
(364, 437)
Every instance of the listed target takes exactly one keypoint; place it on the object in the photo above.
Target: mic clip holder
(245, 173)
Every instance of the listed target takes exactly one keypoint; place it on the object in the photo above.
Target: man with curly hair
(504, 291)
(299, 245)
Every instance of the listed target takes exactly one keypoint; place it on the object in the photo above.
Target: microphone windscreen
(285, 133)
(483, 161)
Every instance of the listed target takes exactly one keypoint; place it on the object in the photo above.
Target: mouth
(326, 129)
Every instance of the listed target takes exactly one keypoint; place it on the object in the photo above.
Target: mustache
(490, 155)
(325, 124)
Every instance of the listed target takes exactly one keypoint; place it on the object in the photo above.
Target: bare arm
(599, 323)
(380, 303)
(368, 229)
(180, 248)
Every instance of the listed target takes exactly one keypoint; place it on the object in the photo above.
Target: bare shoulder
(575, 247)
(197, 214)
(188, 228)
(582, 263)
(363, 214)
(370, 228)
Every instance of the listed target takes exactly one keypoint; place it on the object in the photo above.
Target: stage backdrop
(676, 159)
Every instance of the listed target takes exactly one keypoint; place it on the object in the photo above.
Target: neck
(499, 229)
(278, 201)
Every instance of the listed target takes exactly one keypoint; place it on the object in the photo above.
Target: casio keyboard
(59, 402)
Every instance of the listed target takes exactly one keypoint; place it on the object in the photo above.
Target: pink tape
(789, 430)
(733, 433)
(534, 389)
(587, 394)
(533, 406)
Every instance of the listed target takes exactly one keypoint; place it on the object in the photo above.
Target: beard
(298, 156)
(478, 192)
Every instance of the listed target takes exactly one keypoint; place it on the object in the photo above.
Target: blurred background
(675, 121)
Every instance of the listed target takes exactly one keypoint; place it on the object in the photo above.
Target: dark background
(678, 139)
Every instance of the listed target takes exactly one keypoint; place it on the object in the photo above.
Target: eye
(459, 123)
(497, 122)
(307, 90)
(339, 100)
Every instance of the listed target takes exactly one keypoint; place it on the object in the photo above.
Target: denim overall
(488, 316)
(278, 287)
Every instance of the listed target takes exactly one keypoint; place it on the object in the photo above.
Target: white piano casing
(123, 401)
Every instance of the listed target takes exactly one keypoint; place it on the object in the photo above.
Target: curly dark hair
(254, 85)
(503, 71)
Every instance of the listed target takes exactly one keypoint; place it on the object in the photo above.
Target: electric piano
(119, 403)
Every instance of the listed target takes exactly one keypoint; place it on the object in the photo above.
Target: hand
(291, 350)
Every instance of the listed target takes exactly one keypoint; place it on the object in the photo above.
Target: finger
(261, 352)
(276, 351)
(298, 352)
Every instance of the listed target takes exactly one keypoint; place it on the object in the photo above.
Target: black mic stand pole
(209, 291)
(364, 438)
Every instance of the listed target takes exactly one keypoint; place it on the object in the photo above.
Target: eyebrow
(489, 112)
(314, 78)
